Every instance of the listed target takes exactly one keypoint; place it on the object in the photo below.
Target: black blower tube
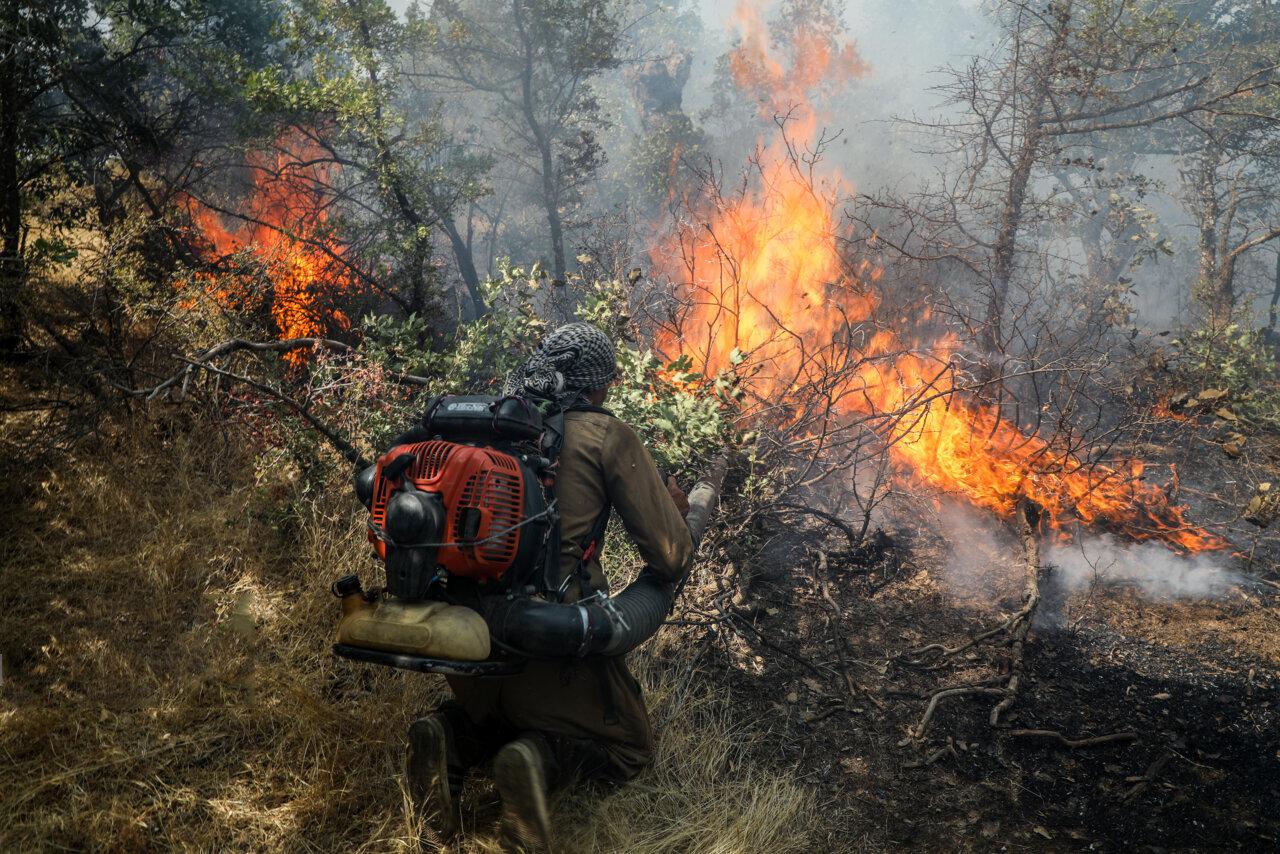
(540, 629)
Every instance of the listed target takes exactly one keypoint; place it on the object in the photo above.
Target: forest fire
(766, 287)
(282, 222)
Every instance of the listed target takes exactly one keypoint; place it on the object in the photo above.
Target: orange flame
(764, 282)
(282, 222)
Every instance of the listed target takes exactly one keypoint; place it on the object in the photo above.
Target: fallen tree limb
(948, 651)
(330, 435)
(205, 361)
(1055, 737)
(1016, 626)
(950, 749)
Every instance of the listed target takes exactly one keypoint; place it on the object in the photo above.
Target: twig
(1053, 735)
(1030, 515)
(947, 652)
(826, 517)
(340, 444)
(1154, 770)
(738, 620)
(234, 345)
(831, 710)
(935, 756)
(1017, 626)
(960, 691)
(833, 623)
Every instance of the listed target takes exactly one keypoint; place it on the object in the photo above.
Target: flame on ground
(767, 288)
(283, 223)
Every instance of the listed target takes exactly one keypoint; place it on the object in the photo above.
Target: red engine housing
(467, 478)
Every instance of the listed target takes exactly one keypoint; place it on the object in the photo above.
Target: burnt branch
(234, 345)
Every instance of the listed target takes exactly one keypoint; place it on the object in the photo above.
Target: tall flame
(283, 223)
(764, 281)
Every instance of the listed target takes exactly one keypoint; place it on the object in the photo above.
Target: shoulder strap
(552, 443)
(590, 547)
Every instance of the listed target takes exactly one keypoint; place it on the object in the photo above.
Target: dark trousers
(572, 703)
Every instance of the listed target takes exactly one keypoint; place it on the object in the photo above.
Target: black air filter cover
(415, 521)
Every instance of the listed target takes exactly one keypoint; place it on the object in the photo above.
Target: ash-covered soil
(817, 654)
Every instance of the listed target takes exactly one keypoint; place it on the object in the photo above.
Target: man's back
(604, 463)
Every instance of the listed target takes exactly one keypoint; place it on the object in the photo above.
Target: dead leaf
(1234, 445)
(1226, 414)
(1263, 507)
(1209, 395)
(1163, 695)
(1042, 832)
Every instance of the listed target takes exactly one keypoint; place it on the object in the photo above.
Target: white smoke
(1152, 569)
(985, 562)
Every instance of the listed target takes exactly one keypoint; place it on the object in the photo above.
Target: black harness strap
(590, 546)
(553, 441)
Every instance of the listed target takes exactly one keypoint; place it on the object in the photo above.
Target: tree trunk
(1004, 249)
(388, 173)
(1215, 278)
(550, 178)
(1223, 302)
(1275, 296)
(12, 272)
(466, 264)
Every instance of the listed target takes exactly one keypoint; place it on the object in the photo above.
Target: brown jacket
(603, 461)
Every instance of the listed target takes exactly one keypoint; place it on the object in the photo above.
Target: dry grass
(168, 683)
(703, 794)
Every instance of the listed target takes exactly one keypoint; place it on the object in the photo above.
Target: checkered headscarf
(573, 358)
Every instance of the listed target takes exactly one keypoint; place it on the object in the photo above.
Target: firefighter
(561, 721)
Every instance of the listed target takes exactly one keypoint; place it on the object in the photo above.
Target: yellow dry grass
(168, 685)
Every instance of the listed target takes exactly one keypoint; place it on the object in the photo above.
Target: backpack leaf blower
(462, 512)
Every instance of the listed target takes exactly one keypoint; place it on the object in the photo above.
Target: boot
(427, 771)
(521, 771)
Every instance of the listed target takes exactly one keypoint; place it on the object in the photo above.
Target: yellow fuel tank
(430, 629)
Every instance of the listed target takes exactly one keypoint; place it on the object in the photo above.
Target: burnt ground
(1194, 681)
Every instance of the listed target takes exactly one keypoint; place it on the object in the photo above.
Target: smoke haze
(1153, 570)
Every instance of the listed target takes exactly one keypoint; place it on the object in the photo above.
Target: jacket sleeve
(638, 494)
